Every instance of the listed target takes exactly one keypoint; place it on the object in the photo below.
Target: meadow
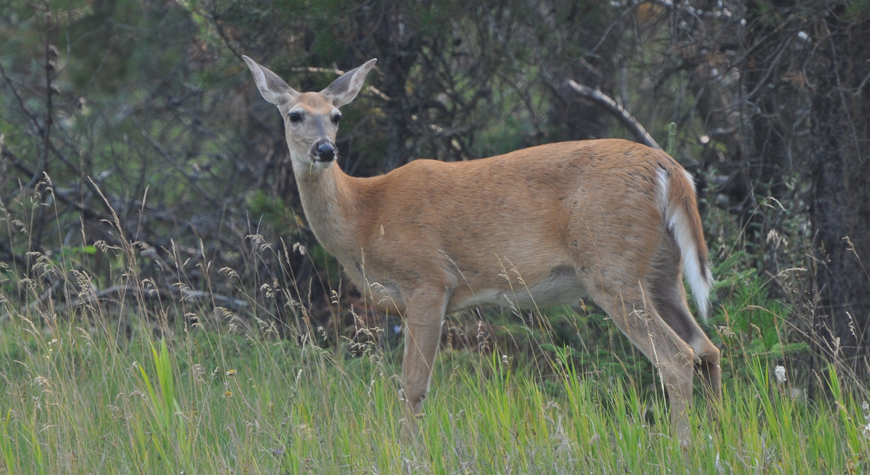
(165, 309)
(114, 376)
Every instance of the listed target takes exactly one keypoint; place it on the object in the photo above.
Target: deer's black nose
(326, 152)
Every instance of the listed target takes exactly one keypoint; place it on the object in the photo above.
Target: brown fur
(544, 225)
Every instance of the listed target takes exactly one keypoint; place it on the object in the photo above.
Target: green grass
(125, 384)
(76, 398)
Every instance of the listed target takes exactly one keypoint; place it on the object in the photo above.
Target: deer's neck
(328, 199)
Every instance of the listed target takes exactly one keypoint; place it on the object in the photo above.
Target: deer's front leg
(423, 318)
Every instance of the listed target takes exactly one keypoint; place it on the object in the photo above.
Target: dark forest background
(137, 122)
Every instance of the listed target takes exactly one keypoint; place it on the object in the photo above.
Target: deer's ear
(271, 87)
(345, 88)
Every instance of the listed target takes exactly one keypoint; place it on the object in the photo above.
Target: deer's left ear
(345, 88)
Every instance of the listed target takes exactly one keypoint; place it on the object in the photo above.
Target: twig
(34, 124)
(81, 207)
(39, 300)
(617, 110)
(338, 72)
(223, 299)
(6, 254)
(148, 293)
(48, 120)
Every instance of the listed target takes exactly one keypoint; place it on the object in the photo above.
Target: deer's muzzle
(323, 150)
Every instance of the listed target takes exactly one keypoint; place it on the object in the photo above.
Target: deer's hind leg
(707, 358)
(638, 319)
(669, 297)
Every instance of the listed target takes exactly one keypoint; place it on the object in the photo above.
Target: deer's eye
(336, 118)
(295, 117)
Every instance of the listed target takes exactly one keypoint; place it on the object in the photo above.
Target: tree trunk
(840, 207)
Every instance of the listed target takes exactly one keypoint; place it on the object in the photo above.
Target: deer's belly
(561, 286)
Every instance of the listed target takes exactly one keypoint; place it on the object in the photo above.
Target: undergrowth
(139, 381)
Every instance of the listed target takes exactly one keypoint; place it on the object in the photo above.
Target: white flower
(779, 372)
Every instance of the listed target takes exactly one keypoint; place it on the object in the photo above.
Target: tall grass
(75, 400)
(128, 385)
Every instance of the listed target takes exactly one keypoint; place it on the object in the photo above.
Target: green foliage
(672, 139)
(589, 342)
(504, 138)
(323, 260)
(857, 10)
(753, 320)
(273, 212)
(6, 449)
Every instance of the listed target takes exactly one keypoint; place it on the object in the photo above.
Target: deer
(608, 220)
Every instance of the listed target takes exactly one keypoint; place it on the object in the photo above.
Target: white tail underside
(697, 273)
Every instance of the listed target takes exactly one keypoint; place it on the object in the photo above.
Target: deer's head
(310, 118)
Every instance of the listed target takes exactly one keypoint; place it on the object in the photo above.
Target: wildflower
(228, 394)
(779, 372)
(865, 431)
(231, 372)
(198, 372)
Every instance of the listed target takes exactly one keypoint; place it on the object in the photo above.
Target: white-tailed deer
(610, 220)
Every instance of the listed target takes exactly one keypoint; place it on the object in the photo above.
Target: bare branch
(93, 297)
(618, 111)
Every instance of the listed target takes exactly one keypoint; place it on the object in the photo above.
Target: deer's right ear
(271, 87)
